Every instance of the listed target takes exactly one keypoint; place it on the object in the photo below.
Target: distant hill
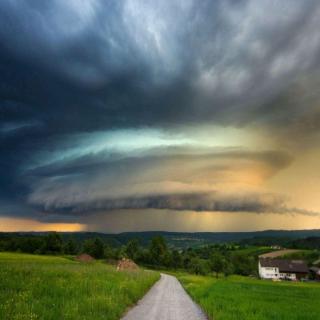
(196, 239)
(186, 239)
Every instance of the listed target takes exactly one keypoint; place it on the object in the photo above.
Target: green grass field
(253, 250)
(243, 298)
(44, 287)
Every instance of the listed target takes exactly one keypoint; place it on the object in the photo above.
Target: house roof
(285, 265)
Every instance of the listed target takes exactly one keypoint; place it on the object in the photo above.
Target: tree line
(217, 259)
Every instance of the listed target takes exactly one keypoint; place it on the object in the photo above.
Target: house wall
(290, 276)
(268, 273)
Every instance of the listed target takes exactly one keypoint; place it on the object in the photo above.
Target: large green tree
(217, 263)
(95, 248)
(158, 250)
(52, 243)
(132, 249)
(70, 247)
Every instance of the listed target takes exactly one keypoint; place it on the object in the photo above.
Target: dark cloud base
(198, 202)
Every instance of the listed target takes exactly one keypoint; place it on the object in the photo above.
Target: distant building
(282, 269)
(276, 247)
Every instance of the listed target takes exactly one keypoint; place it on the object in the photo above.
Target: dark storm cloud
(86, 185)
(198, 202)
(68, 67)
(126, 63)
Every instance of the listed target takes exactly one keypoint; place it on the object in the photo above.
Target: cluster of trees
(53, 243)
(50, 243)
(205, 260)
(217, 259)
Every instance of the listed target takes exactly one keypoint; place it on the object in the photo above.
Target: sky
(176, 115)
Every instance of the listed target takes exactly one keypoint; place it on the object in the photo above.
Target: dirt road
(166, 300)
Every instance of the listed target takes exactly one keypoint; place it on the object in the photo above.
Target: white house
(282, 269)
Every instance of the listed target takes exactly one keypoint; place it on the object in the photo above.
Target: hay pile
(84, 258)
(126, 264)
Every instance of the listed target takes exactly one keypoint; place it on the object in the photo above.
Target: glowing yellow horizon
(17, 224)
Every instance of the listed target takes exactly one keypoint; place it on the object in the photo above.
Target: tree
(244, 264)
(199, 266)
(132, 249)
(188, 255)
(94, 248)
(144, 256)
(228, 268)
(158, 250)
(176, 259)
(70, 247)
(109, 253)
(167, 259)
(217, 263)
(52, 243)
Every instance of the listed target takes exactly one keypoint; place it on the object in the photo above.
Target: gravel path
(166, 300)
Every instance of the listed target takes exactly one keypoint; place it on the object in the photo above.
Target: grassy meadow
(243, 298)
(47, 287)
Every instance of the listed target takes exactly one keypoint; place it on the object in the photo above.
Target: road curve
(166, 300)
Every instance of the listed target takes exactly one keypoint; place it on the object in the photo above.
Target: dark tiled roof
(285, 265)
